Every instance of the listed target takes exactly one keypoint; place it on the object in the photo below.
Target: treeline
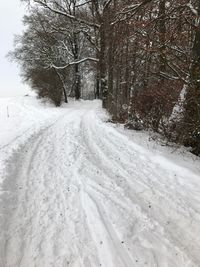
(142, 56)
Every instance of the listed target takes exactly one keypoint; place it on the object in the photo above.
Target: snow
(194, 11)
(20, 118)
(78, 191)
(178, 108)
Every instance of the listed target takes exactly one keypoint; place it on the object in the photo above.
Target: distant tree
(61, 45)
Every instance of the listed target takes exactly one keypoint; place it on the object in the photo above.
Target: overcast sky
(11, 13)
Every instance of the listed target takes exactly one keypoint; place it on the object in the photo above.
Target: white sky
(11, 13)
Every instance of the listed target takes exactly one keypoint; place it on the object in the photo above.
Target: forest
(140, 57)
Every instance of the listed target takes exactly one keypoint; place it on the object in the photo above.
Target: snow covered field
(77, 191)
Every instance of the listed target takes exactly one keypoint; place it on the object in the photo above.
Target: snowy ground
(77, 191)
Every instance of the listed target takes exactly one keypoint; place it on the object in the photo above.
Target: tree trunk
(111, 70)
(64, 88)
(102, 66)
(65, 95)
(97, 91)
(77, 89)
(77, 83)
(162, 38)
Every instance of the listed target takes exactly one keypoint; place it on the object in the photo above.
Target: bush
(46, 83)
(153, 106)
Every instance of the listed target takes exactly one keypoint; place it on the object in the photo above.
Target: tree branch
(129, 9)
(74, 63)
(59, 12)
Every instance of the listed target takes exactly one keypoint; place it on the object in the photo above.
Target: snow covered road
(79, 193)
